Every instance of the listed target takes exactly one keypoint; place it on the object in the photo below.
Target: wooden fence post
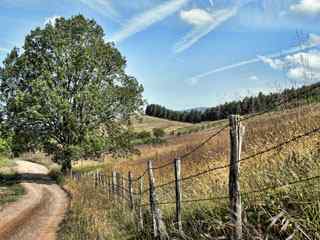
(118, 177)
(140, 213)
(98, 178)
(114, 184)
(159, 228)
(177, 171)
(122, 191)
(109, 182)
(236, 136)
(95, 177)
(130, 190)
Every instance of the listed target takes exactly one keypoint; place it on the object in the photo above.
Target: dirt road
(37, 215)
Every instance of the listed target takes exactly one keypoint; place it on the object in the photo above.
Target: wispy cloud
(301, 66)
(148, 18)
(313, 41)
(209, 21)
(307, 7)
(103, 7)
(4, 50)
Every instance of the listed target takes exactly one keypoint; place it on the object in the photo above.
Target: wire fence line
(263, 190)
(119, 189)
(116, 183)
(296, 138)
(275, 105)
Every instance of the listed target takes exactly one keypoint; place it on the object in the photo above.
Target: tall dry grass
(290, 212)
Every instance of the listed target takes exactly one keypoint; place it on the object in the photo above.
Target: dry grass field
(298, 205)
(147, 123)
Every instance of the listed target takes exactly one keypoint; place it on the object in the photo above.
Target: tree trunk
(66, 166)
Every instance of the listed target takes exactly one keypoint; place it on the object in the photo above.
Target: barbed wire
(265, 189)
(241, 160)
(182, 157)
(225, 126)
(194, 149)
(141, 176)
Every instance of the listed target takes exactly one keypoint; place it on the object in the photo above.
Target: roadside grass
(10, 192)
(289, 212)
(5, 161)
(83, 166)
(279, 213)
(93, 216)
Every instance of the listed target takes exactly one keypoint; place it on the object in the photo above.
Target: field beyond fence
(277, 156)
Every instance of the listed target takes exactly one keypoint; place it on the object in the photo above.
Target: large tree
(67, 92)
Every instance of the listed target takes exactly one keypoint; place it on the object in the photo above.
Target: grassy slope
(9, 191)
(299, 204)
(147, 123)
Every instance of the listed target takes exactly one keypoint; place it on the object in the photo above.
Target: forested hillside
(247, 105)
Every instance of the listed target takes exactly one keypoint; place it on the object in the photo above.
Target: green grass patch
(10, 192)
(5, 161)
(89, 168)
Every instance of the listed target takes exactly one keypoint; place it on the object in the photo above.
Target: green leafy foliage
(158, 132)
(4, 146)
(68, 94)
(145, 137)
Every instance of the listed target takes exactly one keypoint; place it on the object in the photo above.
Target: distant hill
(248, 105)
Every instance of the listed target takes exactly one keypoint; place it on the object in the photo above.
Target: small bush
(57, 176)
(143, 135)
(4, 147)
(158, 132)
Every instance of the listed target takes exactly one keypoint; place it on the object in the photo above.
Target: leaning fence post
(159, 228)
(236, 136)
(130, 190)
(177, 171)
(140, 214)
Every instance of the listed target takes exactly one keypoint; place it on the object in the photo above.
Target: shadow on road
(9, 179)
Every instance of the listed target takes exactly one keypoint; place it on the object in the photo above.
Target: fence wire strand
(265, 189)
(241, 160)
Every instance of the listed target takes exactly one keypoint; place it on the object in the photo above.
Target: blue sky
(192, 53)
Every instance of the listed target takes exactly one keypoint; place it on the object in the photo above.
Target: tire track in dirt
(37, 215)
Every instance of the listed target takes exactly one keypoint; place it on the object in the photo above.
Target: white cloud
(196, 17)
(313, 41)
(302, 66)
(276, 64)
(148, 18)
(208, 24)
(254, 78)
(51, 20)
(307, 7)
(312, 59)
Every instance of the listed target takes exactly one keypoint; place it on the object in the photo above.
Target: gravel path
(37, 215)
